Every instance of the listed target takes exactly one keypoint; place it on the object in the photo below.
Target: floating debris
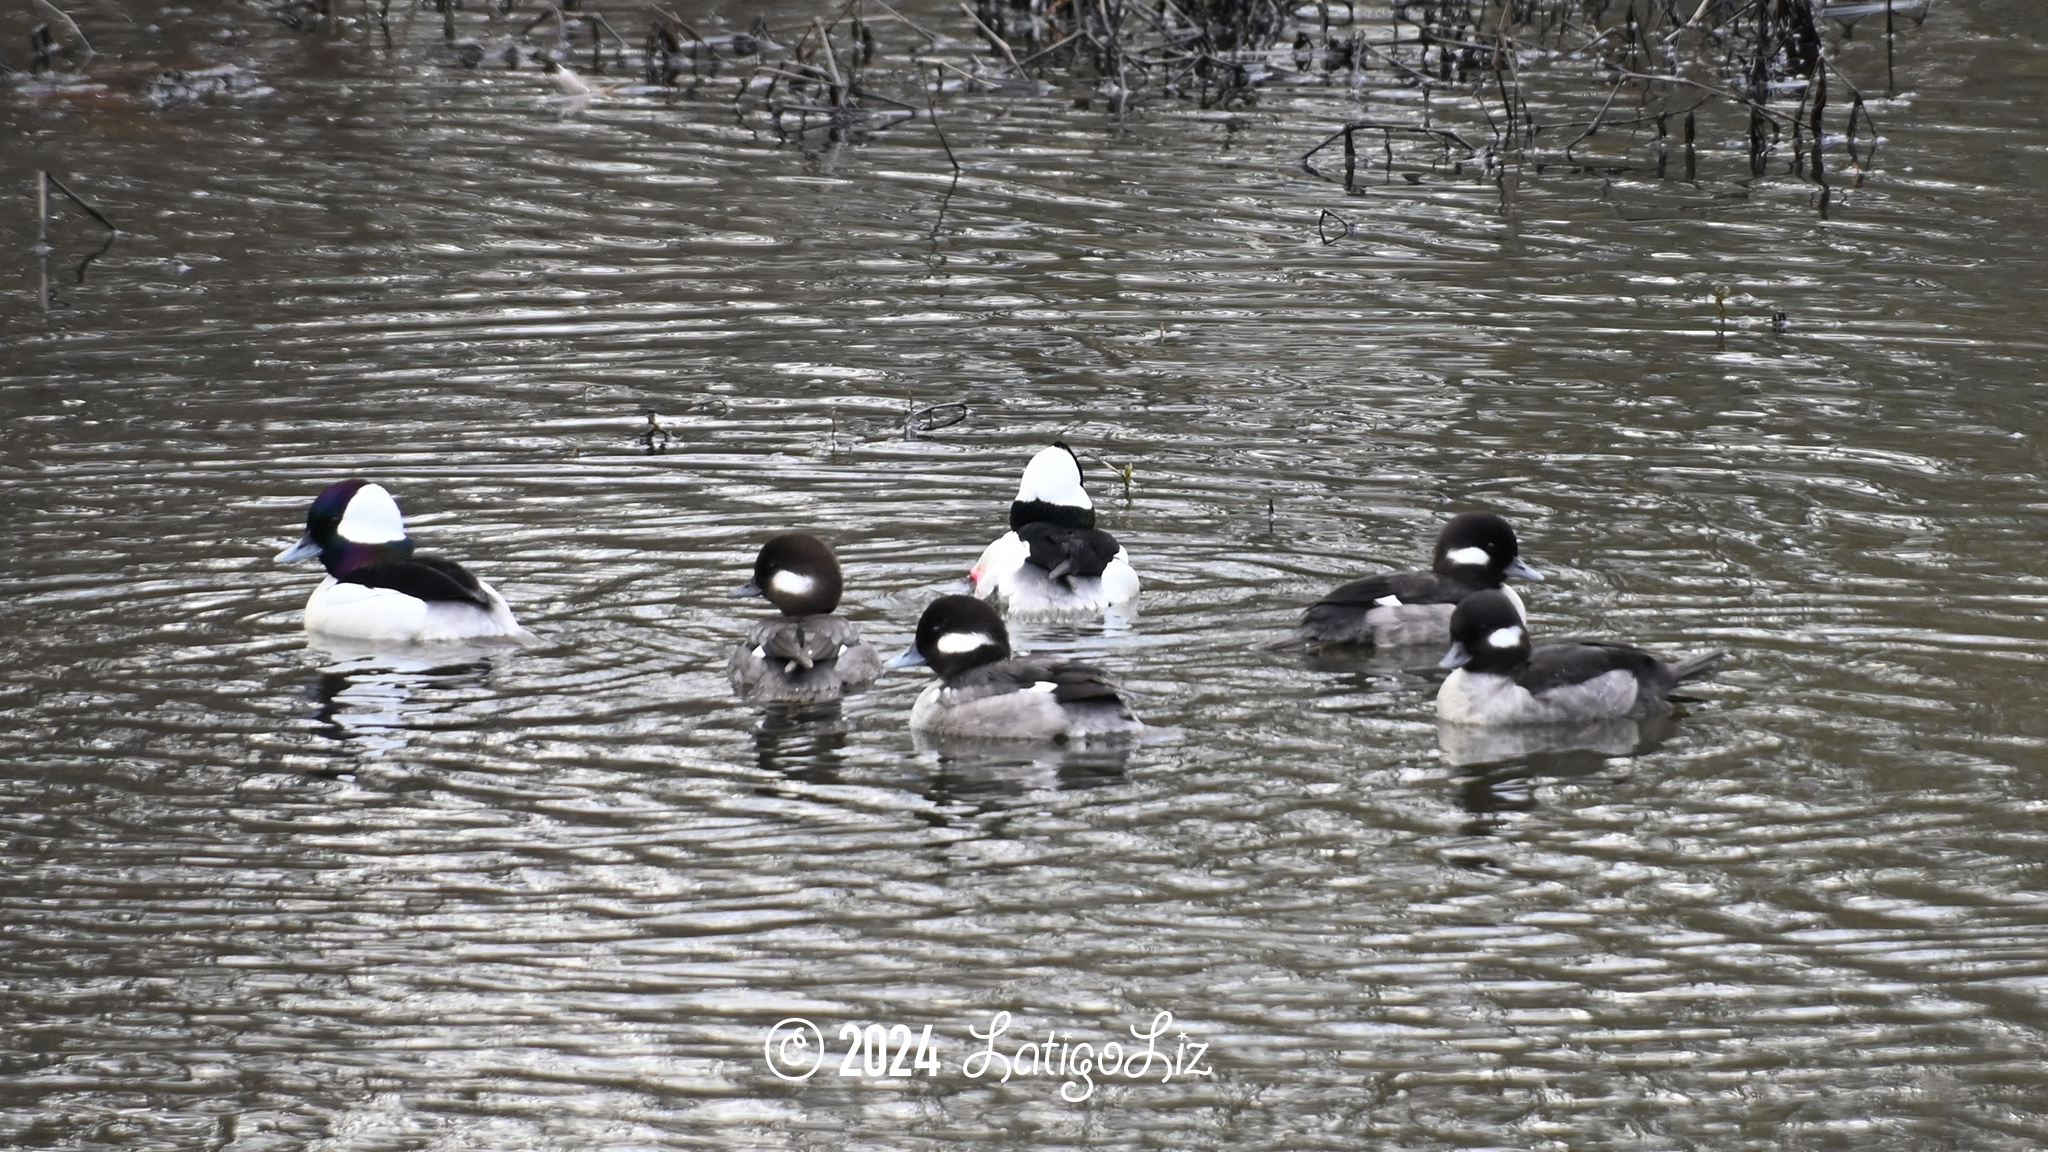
(933, 418)
(175, 88)
(58, 33)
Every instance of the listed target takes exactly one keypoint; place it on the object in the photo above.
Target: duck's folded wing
(429, 578)
(1064, 551)
(1404, 587)
(1561, 663)
(1081, 683)
(806, 641)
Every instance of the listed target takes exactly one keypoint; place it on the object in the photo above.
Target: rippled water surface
(258, 895)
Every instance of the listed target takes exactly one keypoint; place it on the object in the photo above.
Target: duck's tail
(1694, 667)
(1296, 642)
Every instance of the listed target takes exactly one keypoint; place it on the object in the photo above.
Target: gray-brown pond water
(256, 895)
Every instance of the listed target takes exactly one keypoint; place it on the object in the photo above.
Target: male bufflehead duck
(1475, 551)
(378, 590)
(1502, 680)
(1054, 561)
(983, 692)
(807, 654)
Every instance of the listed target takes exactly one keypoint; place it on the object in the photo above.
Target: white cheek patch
(1469, 556)
(1505, 638)
(372, 517)
(792, 584)
(1052, 476)
(955, 643)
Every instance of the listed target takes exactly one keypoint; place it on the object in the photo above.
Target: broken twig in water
(46, 180)
(933, 418)
(933, 109)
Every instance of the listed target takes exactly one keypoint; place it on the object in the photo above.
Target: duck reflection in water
(1499, 767)
(805, 742)
(981, 769)
(372, 696)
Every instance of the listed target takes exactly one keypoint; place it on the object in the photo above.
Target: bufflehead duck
(983, 692)
(1502, 680)
(378, 590)
(1054, 560)
(1475, 551)
(807, 654)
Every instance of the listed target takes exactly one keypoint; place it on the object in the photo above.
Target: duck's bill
(750, 588)
(1517, 568)
(908, 658)
(305, 549)
(1457, 657)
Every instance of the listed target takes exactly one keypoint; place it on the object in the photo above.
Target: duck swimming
(807, 654)
(1054, 561)
(1501, 679)
(1474, 552)
(378, 590)
(984, 692)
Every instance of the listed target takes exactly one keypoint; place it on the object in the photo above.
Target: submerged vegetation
(1402, 88)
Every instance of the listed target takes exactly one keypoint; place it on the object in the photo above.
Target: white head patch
(791, 584)
(1054, 477)
(1470, 554)
(954, 643)
(1505, 638)
(372, 517)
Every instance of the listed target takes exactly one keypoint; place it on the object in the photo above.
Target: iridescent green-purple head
(351, 524)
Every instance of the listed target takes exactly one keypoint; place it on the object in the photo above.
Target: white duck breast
(943, 711)
(387, 615)
(1025, 700)
(1005, 574)
(1469, 697)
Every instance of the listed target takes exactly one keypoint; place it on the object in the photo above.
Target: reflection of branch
(1752, 105)
(1597, 118)
(44, 182)
(938, 79)
(1442, 134)
(989, 32)
(96, 254)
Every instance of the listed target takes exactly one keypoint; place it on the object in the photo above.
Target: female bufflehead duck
(1475, 551)
(983, 692)
(378, 590)
(1054, 561)
(807, 654)
(1501, 680)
